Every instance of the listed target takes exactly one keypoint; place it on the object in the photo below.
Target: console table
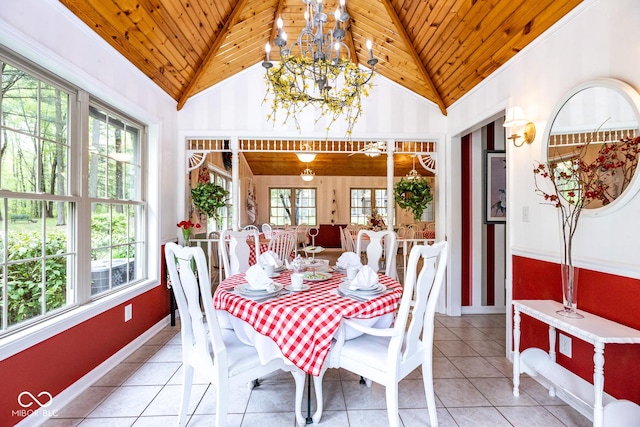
(589, 399)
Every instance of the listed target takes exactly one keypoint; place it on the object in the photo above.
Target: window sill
(20, 340)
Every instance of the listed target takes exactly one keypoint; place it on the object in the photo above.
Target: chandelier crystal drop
(316, 69)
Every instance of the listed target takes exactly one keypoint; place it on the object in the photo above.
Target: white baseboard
(67, 396)
(484, 309)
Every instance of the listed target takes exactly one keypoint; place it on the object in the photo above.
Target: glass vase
(186, 235)
(569, 291)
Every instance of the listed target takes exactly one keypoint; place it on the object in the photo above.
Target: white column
(235, 182)
(390, 200)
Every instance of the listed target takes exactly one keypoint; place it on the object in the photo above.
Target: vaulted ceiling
(439, 49)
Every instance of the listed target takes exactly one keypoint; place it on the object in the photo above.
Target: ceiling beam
(200, 72)
(412, 51)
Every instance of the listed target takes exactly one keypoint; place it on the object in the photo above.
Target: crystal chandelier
(316, 69)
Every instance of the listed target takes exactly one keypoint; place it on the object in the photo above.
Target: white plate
(280, 269)
(274, 275)
(344, 287)
(316, 277)
(245, 289)
(313, 249)
(339, 269)
(303, 288)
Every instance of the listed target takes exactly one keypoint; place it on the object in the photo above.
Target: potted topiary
(413, 194)
(208, 198)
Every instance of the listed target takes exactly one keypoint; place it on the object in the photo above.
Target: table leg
(516, 352)
(309, 419)
(598, 384)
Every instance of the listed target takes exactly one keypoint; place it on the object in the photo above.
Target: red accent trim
(491, 263)
(614, 297)
(466, 172)
(491, 236)
(56, 363)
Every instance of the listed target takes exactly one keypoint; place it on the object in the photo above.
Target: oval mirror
(596, 119)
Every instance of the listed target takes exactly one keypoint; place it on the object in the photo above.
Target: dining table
(299, 326)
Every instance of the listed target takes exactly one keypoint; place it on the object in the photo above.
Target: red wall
(613, 297)
(58, 362)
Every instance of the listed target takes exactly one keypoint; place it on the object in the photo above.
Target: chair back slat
(380, 243)
(424, 279)
(235, 247)
(283, 244)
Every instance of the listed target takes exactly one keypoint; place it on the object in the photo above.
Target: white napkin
(367, 278)
(270, 258)
(258, 279)
(348, 259)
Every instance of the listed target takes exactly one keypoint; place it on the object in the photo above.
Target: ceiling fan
(372, 149)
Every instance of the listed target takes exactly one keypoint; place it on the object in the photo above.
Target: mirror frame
(633, 98)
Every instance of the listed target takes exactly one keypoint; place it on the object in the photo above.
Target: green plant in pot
(413, 194)
(208, 198)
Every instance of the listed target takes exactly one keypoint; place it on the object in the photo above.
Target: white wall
(598, 39)
(46, 32)
(235, 106)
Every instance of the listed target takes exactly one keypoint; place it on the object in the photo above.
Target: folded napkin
(258, 279)
(367, 278)
(348, 259)
(270, 258)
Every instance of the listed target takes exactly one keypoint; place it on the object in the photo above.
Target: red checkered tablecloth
(302, 324)
(264, 247)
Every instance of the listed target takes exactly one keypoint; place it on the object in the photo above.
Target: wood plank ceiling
(439, 49)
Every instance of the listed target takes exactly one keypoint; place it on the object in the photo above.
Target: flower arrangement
(291, 93)
(577, 182)
(587, 177)
(186, 227)
(375, 220)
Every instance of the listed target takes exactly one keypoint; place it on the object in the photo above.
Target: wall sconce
(306, 156)
(514, 119)
(307, 175)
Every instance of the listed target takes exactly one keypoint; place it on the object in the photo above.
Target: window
(283, 212)
(48, 225)
(117, 208)
(225, 213)
(363, 200)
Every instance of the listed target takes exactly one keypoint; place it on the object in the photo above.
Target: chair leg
(222, 403)
(392, 404)
(299, 378)
(317, 385)
(187, 382)
(427, 379)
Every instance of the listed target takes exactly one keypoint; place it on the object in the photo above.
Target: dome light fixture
(307, 175)
(306, 155)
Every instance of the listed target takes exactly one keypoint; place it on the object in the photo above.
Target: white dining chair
(283, 244)
(235, 249)
(214, 353)
(349, 243)
(250, 227)
(386, 356)
(267, 230)
(380, 243)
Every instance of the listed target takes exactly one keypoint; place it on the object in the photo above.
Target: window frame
(78, 273)
(380, 208)
(293, 215)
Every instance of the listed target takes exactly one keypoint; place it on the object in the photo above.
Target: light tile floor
(472, 384)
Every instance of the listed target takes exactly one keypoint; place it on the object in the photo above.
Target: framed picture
(495, 187)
